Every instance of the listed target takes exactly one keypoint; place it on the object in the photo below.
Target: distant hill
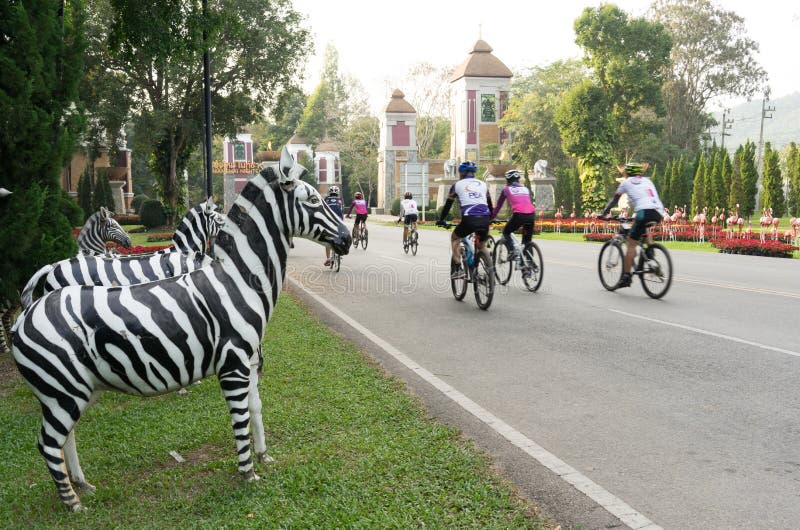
(784, 127)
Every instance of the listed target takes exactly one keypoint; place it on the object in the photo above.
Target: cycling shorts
(524, 220)
(410, 218)
(361, 218)
(473, 223)
(643, 218)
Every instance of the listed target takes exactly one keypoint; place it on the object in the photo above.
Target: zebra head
(110, 230)
(307, 215)
(100, 228)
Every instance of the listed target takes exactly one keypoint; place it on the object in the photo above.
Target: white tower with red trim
(398, 145)
(479, 91)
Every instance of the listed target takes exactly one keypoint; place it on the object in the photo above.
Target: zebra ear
(287, 163)
(104, 213)
(210, 206)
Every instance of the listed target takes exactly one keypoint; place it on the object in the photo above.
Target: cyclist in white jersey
(646, 204)
(408, 213)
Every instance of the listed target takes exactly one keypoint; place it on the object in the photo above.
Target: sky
(379, 41)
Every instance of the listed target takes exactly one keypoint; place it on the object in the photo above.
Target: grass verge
(352, 450)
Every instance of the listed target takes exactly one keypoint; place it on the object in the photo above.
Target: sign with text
(238, 168)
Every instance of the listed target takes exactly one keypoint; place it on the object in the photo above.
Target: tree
(772, 180)
(258, 49)
(359, 152)
(749, 178)
(678, 183)
(698, 188)
(529, 118)
(666, 179)
(42, 61)
(102, 196)
(85, 194)
(793, 175)
(736, 195)
(711, 56)
(427, 89)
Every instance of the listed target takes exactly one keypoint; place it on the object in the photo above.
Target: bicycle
(479, 272)
(527, 260)
(412, 242)
(652, 263)
(336, 261)
(360, 235)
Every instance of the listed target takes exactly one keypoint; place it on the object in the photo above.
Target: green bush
(71, 210)
(102, 196)
(396, 207)
(455, 210)
(152, 214)
(85, 195)
(136, 202)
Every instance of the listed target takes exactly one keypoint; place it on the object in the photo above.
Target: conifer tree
(102, 196)
(793, 175)
(85, 194)
(666, 179)
(736, 192)
(749, 179)
(699, 188)
(772, 180)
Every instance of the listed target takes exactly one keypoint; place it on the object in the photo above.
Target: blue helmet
(467, 166)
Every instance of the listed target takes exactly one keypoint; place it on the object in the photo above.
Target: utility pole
(727, 124)
(207, 103)
(760, 157)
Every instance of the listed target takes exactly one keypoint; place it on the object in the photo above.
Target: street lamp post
(207, 103)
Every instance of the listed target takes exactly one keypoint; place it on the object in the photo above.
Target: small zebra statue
(196, 231)
(99, 228)
(153, 338)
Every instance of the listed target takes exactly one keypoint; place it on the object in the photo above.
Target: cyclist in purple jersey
(523, 210)
(360, 206)
(476, 208)
(334, 202)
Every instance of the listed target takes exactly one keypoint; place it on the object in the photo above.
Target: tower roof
(481, 63)
(398, 103)
(327, 146)
(299, 140)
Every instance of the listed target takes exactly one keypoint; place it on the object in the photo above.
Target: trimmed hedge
(396, 207)
(136, 202)
(152, 214)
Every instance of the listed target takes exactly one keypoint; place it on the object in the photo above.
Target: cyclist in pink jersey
(361, 211)
(523, 210)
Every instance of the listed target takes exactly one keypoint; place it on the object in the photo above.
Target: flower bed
(754, 247)
(136, 249)
(160, 236)
(597, 237)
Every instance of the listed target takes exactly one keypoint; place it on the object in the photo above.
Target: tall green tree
(749, 178)
(102, 196)
(258, 48)
(719, 193)
(772, 181)
(711, 56)
(359, 151)
(85, 193)
(793, 175)
(699, 188)
(736, 192)
(41, 63)
(664, 191)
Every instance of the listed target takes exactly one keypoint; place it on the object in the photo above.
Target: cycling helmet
(359, 195)
(467, 167)
(333, 190)
(512, 175)
(633, 169)
(407, 195)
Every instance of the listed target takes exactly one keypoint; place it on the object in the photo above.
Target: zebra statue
(198, 229)
(99, 228)
(153, 338)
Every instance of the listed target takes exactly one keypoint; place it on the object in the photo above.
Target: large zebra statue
(99, 228)
(197, 230)
(156, 337)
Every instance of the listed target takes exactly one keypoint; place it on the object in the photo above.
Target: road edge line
(608, 501)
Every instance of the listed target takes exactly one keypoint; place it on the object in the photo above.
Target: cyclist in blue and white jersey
(476, 210)
(334, 202)
(644, 199)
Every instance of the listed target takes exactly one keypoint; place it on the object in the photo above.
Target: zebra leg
(256, 420)
(57, 424)
(235, 385)
(74, 466)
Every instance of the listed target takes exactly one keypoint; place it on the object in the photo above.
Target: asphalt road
(684, 411)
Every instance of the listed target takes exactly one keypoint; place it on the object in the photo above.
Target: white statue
(450, 167)
(540, 169)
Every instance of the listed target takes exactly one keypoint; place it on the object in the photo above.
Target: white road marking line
(614, 505)
(710, 333)
(393, 258)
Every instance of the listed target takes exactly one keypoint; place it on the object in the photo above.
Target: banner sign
(238, 168)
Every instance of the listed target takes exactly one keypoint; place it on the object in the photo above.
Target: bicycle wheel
(609, 265)
(337, 262)
(489, 244)
(414, 242)
(503, 264)
(406, 244)
(364, 238)
(459, 286)
(483, 280)
(533, 267)
(657, 272)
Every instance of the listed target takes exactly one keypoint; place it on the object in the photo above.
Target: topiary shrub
(71, 210)
(152, 214)
(396, 207)
(136, 202)
(451, 214)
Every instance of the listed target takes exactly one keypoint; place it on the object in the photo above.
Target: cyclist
(408, 213)
(646, 204)
(476, 209)
(523, 210)
(361, 212)
(334, 202)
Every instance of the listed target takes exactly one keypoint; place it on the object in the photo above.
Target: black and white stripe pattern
(156, 337)
(196, 231)
(99, 228)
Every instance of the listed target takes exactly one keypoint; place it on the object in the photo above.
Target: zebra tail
(26, 298)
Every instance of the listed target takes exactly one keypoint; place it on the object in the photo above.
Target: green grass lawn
(351, 448)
